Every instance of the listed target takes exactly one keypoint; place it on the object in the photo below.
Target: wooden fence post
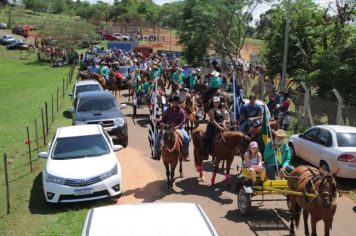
(57, 99)
(28, 142)
(52, 109)
(7, 185)
(43, 128)
(46, 112)
(63, 88)
(36, 134)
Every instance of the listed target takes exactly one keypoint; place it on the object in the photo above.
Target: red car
(109, 37)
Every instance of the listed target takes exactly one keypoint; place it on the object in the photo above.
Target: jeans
(243, 126)
(271, 169)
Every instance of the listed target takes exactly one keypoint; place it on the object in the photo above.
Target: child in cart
(253, 161)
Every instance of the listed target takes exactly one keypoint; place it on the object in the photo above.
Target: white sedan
(331, 147)
(81, 165)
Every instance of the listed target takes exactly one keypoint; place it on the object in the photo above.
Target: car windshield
(100, 104)
(79, 147)
(87, 88)
(346, 139)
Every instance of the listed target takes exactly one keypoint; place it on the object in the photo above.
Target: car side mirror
(300, 135)
(123, 106)
(70, 110)
(118, 148)
(70, 94)
(43, 155)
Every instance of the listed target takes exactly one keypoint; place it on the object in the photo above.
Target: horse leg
(166, 164)
(306, 226)
(216, 168)
(292, 210)
(313, 225)
(327, 226)
(173, 168)
(180, 167)
(228, 165)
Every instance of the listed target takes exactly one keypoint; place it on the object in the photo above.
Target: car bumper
(347, 170)
(63, 193)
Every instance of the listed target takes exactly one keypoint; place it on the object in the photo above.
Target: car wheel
(324, 166)
(125, 141)
(292, 151)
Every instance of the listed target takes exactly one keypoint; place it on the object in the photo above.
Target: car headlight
(79, 123)
(119, 122)
(54, 179)
(110, 173)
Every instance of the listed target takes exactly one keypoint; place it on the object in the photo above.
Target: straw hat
(280, 133)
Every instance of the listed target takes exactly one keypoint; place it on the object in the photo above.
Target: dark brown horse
(172, 151)
(225, 147)
(310, 180)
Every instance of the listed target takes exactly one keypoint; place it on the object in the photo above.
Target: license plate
(83, 191)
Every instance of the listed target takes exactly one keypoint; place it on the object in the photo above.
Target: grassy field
(24, 87)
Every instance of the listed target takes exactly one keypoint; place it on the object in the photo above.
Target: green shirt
(155, 73)
(192, 81)
(269, 154)
(178, 78)
(214, 82)
(104, 71)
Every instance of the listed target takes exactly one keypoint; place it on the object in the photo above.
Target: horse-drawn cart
(246, 190)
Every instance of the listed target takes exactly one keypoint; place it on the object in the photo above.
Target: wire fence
(36, 134)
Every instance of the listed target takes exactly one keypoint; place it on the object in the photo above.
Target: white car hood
(81, 168)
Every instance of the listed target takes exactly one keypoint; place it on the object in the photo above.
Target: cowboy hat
(216, 99)
(280, 133)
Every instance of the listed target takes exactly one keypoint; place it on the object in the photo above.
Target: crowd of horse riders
(191, 94)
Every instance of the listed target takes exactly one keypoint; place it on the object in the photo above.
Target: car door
(306, 142)
(321, 149)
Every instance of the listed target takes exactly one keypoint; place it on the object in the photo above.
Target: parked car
(84, 86)
(18, 44)
(7, 39)
(331, 147)
(81, 165)
(121, 37)
(148, 219)
(101, 107)
(3, 25)
(109, 37)
(18, 30)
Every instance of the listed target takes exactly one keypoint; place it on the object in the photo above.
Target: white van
(148, 219)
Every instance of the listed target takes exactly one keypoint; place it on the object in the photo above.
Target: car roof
(339, 128)
(8, 36)
(78, 130)
(95, 94)
(148, 219)
(86, 82)
(247, 101)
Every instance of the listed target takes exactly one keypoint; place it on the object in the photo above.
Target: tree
(221, 25)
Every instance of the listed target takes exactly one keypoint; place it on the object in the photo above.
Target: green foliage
(321, 50)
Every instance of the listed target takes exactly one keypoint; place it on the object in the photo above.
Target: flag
(264, 134)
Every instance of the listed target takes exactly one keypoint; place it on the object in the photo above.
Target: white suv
(119, 36)
(81, 165)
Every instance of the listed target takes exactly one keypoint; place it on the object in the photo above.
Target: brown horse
(310, 180)
(225, 148)
(190, 114)
(172, 151)
(83, 75)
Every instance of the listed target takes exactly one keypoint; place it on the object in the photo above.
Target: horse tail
(297, 214)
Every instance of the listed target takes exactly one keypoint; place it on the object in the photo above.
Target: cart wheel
(244, 202)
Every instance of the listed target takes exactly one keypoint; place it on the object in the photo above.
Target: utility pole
(285, 53)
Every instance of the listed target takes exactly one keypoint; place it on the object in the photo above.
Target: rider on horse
(249, 112)
(217, 118)
(175, 116)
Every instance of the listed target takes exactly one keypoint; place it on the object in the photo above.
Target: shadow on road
(38, 204)
(261, 220)
(151, 192)
(191, 186)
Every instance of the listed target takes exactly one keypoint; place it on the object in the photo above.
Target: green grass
(24, 87)
(20, 16)
(257, 42)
